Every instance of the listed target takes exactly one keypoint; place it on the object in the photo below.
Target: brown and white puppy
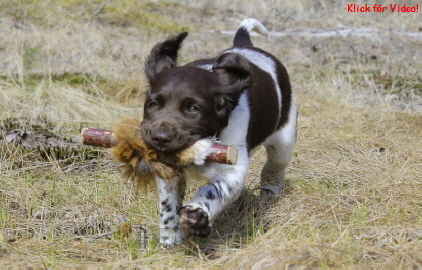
(243, 98)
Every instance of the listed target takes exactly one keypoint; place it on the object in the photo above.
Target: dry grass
(353, 195)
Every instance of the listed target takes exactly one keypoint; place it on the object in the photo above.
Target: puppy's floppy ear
(234, 72)
(163, 56)
(234, 75)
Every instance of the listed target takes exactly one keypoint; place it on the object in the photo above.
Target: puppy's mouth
(168, 141)
(171, 149)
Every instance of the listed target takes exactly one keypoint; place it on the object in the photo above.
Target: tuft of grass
(146, 16)
(61, 103)
(128, 92)
(29, 57)
(149, 15)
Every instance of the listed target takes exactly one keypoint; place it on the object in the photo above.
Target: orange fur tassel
(143, 163)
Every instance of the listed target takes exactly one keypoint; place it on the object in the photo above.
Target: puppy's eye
(153, 104)
(193, 108)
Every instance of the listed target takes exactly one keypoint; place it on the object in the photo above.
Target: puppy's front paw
(194, 221)
(170, 237)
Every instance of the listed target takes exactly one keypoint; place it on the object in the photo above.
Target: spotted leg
(171, 193)
(279, 147)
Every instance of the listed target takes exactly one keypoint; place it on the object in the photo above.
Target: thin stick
(224, 154)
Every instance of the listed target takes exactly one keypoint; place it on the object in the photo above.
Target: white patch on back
(263, 62)
(236, 131)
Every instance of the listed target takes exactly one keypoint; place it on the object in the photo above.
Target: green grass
(149, 16)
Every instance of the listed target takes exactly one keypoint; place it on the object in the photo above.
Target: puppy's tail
(243, 38)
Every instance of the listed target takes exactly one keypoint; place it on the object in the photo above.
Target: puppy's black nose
(161, 139)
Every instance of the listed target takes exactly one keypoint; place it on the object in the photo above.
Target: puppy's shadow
(246, 219)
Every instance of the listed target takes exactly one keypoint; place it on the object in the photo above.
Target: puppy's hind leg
(279, 147)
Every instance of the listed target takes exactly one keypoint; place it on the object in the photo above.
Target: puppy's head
(187, 103)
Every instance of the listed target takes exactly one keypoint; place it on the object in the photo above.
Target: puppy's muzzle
(164, 137)
(161, 139)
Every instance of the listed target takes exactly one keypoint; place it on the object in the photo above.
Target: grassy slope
(353, 194)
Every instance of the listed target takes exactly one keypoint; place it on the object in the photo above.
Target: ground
(353, 191)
